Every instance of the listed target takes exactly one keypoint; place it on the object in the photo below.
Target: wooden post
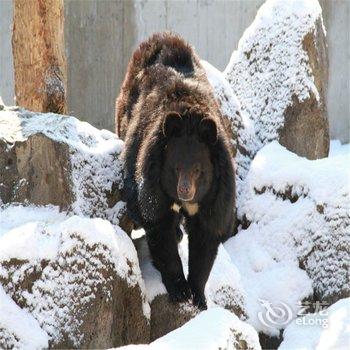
(38, 55)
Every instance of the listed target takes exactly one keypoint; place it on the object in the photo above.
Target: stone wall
(100, 37)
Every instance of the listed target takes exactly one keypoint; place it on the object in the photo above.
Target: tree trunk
(38, 55)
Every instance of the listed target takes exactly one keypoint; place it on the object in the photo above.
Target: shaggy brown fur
(165, 77)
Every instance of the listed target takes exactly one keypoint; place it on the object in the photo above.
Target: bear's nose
(184, 190)
(185, 193)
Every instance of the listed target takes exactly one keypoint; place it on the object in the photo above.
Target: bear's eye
(197, 170)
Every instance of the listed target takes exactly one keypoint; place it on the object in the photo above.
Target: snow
(269, 272)
(37, 235)
(223, 330)
(60, 248)
(14, 216)
(277, 167)
(319, 219)
(327, 329)
(270, 65)
(297, 215)
(224, 287)
(18, 328)
(95, 165)
(58, 127)
(337, 149)
(151, 276)
(267, 72)
(242, 128)
(222, 88)
(220, 325)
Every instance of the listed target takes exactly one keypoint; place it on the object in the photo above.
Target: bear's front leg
(162, 242)
(202, 247)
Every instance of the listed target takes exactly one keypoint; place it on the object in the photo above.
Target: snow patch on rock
(215, 328)
(94, 157)
(327, 329)
(41, 232)
(297, 218)
(152, 277)
(308, 201)
(223, 330)
(269, 273)
(270, 65)
(73, 257)
(18, 328)
(240, 128)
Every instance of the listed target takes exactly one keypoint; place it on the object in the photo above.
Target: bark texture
(38, 55)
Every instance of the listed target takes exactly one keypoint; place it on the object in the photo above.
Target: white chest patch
(191, 208)
(176, 207)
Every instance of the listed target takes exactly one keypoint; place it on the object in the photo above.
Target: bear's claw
(180, 291)
(199, 301)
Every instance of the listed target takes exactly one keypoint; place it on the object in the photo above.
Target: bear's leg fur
(202, 249)
(162, 242)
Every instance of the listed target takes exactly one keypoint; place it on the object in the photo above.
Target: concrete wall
(94, 49)
(101, 35)
(336, 15)
(7, 79)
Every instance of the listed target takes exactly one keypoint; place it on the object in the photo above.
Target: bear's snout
(186, 188)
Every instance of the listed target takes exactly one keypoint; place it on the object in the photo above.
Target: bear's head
(187, 169)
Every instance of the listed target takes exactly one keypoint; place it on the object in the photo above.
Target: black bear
(177, 161)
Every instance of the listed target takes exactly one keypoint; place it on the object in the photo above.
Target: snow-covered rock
(297, 213)
(18, 328)
(326, 329)
(223, 289)
(79, 278)
(59, 160)
(316, 195)
(165, 315)
(228, 103)
(279, 75)
(274, 85)
(213, 329)
(240, 128)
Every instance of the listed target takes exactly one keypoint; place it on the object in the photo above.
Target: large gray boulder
(279, 75)
(216, 329)
(59, 160)
(223, 290)
(79, 278)
(275, 84)
(303, 207)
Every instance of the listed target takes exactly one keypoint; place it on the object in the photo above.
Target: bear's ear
(172, 124)
(208, 130)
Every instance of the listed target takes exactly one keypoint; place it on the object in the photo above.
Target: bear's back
(161, 56)
(170, 51)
